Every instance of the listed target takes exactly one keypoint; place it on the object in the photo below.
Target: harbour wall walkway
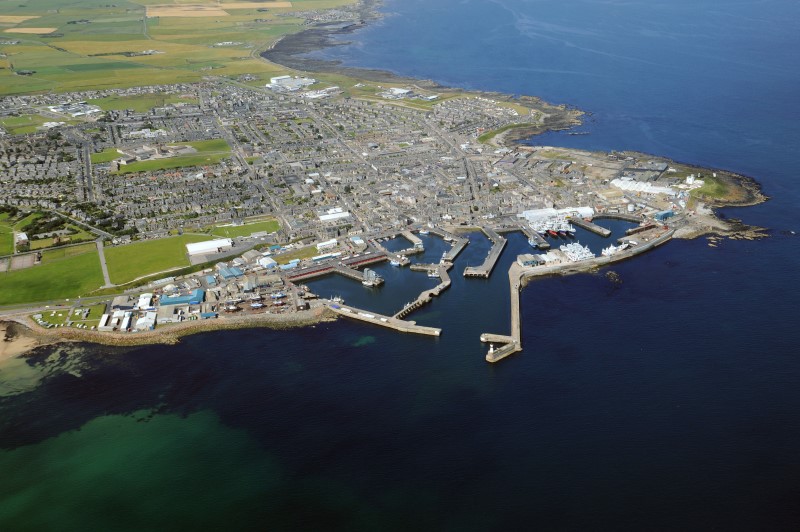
(381, 320)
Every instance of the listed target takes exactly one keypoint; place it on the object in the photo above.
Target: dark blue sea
(669, 400)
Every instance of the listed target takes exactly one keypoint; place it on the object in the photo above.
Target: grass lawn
(20, 125)
(20, 225)
(489, 135)
(231, 231)
(209, 152)
(80, 236)
(128, 262)
(6, 237)
(712, 188)
(55, 254)
(105, 156)
(57, 279)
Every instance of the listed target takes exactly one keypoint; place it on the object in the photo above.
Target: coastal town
(331, 176)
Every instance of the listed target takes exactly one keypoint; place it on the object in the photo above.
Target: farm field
(95, 45)
(131, 261)
(58, 279)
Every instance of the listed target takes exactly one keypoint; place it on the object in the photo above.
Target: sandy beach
(15, 341)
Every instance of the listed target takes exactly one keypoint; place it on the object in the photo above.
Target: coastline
(289, 49)
(22, 335)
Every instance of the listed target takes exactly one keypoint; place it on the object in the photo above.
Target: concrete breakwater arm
(485, 269)
(381, 320)
(517, 277)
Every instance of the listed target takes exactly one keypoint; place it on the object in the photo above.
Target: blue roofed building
(195, 297)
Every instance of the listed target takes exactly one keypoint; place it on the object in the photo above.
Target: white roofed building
(209, 246)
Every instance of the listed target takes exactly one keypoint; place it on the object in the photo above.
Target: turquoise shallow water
(668, 400)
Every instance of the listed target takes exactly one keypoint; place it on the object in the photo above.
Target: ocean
(667, 399)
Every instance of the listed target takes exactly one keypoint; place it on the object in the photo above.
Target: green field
(489, 135)
(128, 262)
(105, 156)
(231, 231)
(6, 235)
(139, 103)
(103, 53)
(712, 188)
(50, 255)
(209, 152)
(80, 236)
(58, 279)
(20, 125)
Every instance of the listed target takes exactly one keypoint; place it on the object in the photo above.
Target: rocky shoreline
(290, 50)
(22, 335)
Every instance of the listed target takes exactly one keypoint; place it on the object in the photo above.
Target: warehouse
(209, 246)
(195, 297)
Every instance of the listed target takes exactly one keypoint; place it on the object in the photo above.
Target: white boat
(424, 232)
(394, 262)
(433, 273)
(612, 249)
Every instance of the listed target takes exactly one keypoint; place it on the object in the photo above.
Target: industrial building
(210, 246)
(195, 297)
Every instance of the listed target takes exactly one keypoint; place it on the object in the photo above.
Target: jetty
(527, 230)
(458, 243)
(381, 320)
(357, 275)
(519, 275)
(589, 226)
(426, 296)
(485, 269)
(512, 343)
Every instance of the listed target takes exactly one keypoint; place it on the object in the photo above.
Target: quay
(401, 259)
(589, 226)
(640, 229)
(353, 274)
(381, 320)
(636, 218)
(596, 262)
(365, 259)
(528, 231)
(346, 268)
(414, 239)
(458, 243)
(426, 296)
(485, 269)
